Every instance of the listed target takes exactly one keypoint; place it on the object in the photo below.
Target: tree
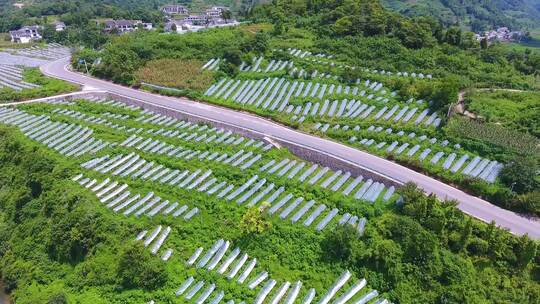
(386, 255)
(529, 202)
(484, 43)
(521, 174)
(137, 268)
(453, 36)
(73, 234)
(228, 68)
(261, 43)
(342, 26)
(339, 244)
(49, 32)
(58, 298)
(119, 64)
(174, 28)
(226, 15)
(526, 251)
(465, 235)
(445, 93)
(415, 34)
(233, 56)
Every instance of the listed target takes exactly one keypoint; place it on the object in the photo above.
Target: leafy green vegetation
(47, 87)
(59, 243)
(388, 42)
(122, 58)
(478, 15)
(512, 110)
(417, 44)
(491, 138)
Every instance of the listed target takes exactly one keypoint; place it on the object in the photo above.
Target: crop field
(175, 73)
(304, 90)
(192, 193)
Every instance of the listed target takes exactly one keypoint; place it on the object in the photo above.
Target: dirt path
(4, 298)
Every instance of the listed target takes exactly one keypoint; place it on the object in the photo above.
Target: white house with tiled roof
(26, 34)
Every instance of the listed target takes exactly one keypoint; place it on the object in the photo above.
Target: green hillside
(476, 15)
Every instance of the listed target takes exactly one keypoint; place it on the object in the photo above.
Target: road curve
(469, 204)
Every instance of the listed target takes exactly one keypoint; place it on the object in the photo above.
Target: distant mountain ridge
(475, 14)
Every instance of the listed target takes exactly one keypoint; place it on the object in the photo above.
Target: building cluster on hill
(502, 34)
(180, 19)
(124, 26)
(174, 9)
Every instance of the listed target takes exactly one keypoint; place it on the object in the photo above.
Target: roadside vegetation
(60, 244)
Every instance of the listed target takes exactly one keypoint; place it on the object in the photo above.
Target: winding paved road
(471, 205)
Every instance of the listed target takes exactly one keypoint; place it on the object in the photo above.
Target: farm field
(176, 175)
(371, 109)
(278, 174)
(307, 92)
(394, 108)
(206, 215)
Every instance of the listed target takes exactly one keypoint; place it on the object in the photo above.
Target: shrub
(521, 174)
(255, 221)
(137, 268)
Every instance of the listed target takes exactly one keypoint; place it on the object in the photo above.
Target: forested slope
(478, 15)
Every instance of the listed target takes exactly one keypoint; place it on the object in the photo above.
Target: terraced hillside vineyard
(204, 214)
(316, 152)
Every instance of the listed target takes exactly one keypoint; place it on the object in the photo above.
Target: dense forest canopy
(354, 29)
(473, 15)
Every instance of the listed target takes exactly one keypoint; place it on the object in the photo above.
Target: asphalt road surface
(469, 204)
